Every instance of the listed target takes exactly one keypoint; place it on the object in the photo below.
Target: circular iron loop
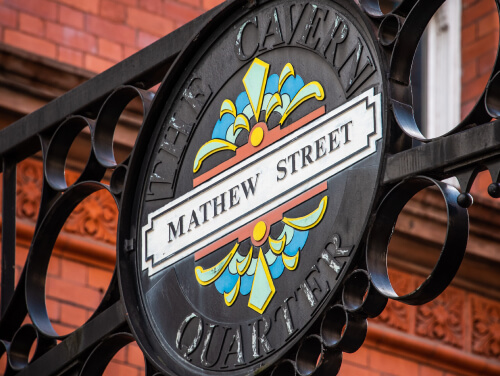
(359, 296)
(60, 144)
(310, 355)
(284, 368)
(117, 180)
(388, 30)
(102, 354)
(492, 96)
(342, 330)
(22, 342)
(372, 8)
(41, 251)
(108, 118)
(452, 252)
(330, 366)
(404, 50)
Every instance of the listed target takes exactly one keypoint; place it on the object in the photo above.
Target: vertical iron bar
(8, 232)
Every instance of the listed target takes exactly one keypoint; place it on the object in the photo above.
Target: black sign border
(127, 242)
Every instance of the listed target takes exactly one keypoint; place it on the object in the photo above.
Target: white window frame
(443, 63)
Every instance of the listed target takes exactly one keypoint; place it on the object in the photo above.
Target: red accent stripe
(247, 150)
(270, 218)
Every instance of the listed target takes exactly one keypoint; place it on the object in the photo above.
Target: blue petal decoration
(225, 283)
(246, 284)
(297, 243)
(272, 84)
(222, 126)
(241, 102)
(292, 86)
(277, 267)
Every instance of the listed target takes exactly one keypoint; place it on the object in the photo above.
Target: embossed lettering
(238, 47)
(235, 349)
(287, 316)
(259, 340)
(337, 35)
(290, 24)
(310, 36)
(176, 231)
(209, 339)
(197, 95)
(273, 29)
(195, 341)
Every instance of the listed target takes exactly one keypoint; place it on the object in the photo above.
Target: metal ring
(492, 96)
(372, 8)
(452, 253)
(117, 180)
(41, 252)
(388, 30)
(405, 47)
(108, 118)
(310, 355)
(22, 342)
(342, 330)
(57, 153)
(359, 296)
(284, 368)
(331, 363)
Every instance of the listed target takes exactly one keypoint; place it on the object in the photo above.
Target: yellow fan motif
(241, 122)
(277, 246)
(311, 90)
(207, 276)
(238, 275)
(291, 262)
(230, 297)
(285, 73)
(310, 220)
(243, 266)
(227, 107)
(263, 91)
(273, 103)
(209, 148)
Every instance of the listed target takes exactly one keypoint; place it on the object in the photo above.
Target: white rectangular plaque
(264, 181)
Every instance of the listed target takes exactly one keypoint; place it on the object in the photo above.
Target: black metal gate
(410, 164)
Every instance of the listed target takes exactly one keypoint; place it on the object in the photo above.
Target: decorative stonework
(486, 327)
(443, 318)
(95, 217)
(29, 189)
(397, 315)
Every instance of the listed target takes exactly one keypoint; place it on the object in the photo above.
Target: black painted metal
(97, 105)
(452, 252)
(8, 232)
(143, 69)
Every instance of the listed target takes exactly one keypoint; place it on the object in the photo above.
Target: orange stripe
(270, 137)
(270, 218)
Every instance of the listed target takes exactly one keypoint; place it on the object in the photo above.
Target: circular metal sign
(251, 185)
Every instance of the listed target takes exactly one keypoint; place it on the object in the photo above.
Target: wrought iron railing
(472, 146)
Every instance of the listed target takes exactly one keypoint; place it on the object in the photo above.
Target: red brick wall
(479, 46)
(480, 35)
(92, 34)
